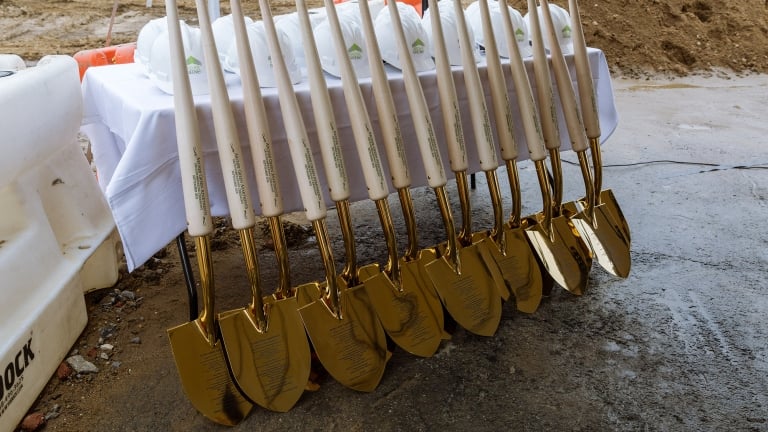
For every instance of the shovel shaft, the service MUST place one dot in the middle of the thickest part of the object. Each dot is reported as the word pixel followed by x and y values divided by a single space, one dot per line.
pixel 252 268
pixel 449 105
pixel 425 132
pixel 514 187
pixel 406 203
pixel 547 106
pixel 462 187
pixel 390 125
pixel 573 121
pixel 349 273
pixel 205 267
pixel 584 74
pixel 281 253
pixel 452 250
pixel 530 119
pixel 500 101
pixel 296 133
pixel 331 295
pixel 392 267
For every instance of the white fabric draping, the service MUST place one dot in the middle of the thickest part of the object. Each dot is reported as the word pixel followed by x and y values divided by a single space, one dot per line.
pixel 130 124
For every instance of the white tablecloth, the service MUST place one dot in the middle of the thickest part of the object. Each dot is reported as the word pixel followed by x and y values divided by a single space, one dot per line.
pixel 130 124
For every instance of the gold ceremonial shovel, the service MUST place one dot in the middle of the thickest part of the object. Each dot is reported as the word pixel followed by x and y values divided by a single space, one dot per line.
pixel 347 336
pixel 516 260
pixel 605 200
pixel 405 316
pixel 463 282
pixel 413 281
pixel 573 257
pixel 479 243
pixel 266 344
pixel 607 243
pixel 197 351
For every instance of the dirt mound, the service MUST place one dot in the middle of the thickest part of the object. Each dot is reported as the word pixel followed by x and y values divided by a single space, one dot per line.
pixel 639 37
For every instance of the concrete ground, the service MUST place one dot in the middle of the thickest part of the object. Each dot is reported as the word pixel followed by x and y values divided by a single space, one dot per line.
pixel 681 344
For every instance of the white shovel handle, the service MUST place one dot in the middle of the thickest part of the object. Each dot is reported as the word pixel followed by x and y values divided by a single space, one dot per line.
pixel 500 99
pixel 367 151
pixel 449 103
pixel 528 113
pixel 322 108
pixel 425 132
pixel 565 87
pixel 501 107
pixel 584 74
pixel 267 182
pixel 547 107
pixel 296 133
pixel 195 189
pixel 385 105
pixel 227 141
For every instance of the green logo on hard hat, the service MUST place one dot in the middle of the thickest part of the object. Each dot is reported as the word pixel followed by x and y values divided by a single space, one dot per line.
pixel 355 52
pixel 194 66
pixel 567 31
pixel 418 46
pixel 519 35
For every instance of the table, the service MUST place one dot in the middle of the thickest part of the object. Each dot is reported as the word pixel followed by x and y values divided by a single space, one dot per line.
pixel 131 127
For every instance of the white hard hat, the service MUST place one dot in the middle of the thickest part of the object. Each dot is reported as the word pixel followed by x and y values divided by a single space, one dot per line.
pixel 562 23
pixel 146 38
pixel 354 45
pixel 11 63
pixel 475 21
pixel 160 61
pixel 415 36
pixel 224 35
pixel 262 58
pixel 450 32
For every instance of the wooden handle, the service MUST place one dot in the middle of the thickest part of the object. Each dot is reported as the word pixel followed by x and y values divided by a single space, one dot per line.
pixel 193 182
pixel 367 151
pixel 499 96
pixel 267 182
pixel 584 74
pixel 449 103
pixel 565 87
pixel 547 107
pixel 425 132
pixel 528 113
pixel 385 105
pixel 296 133
pixel 227 141
pixel 322 108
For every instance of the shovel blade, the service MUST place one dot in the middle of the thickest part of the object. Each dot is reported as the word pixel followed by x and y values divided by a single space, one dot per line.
pixel 521 272
pixel 565 255
pixel 605 239
pixel 353 348
pixel 470 295
pixel 204 375
pixel 612 209
pixel 270 367
pixel 404 312
pixel 414 273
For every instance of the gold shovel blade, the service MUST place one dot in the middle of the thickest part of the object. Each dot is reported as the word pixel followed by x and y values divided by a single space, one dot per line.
pixel 271 367
pixel 404 313
pixel 604 238
pixel 608 201
pixel 521 272
pixel 414 273
pixel 468 292
pixel 564 255
pixel 352 348
pixel 204 375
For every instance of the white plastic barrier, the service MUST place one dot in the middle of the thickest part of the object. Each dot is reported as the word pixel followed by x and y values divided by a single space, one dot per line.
pixel 57 235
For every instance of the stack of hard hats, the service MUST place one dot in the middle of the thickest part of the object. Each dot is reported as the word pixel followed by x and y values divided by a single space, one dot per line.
pixel 520 26
pixel 450 32
pixel 226 44
pixel 415 35
pixel 562 23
